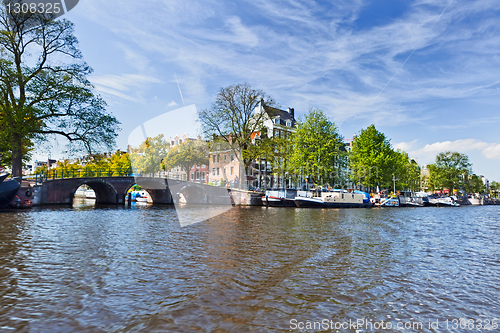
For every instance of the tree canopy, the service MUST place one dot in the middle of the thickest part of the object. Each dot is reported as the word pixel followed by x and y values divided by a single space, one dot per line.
pixel 44 89
pixel 372 158
pixel 317 152
pixel 148 157
pixel 449 171
pixel 231 117
pixel 185 155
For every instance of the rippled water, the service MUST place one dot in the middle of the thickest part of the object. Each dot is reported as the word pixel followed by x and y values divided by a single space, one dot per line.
pixel 252 269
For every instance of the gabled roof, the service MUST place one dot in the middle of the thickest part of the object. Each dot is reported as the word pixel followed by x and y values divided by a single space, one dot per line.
pixel 283 115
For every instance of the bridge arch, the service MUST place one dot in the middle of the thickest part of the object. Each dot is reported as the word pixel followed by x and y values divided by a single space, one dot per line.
pixel 191 193
pixel 105 193
pixel 156 188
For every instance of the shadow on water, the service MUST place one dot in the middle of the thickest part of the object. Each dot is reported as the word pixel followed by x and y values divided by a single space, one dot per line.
pixel 108 268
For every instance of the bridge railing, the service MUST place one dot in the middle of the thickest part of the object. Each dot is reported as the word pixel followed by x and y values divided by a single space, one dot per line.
pixel 81 173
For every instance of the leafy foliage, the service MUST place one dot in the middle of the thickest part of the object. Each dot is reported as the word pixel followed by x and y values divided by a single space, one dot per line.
pixel 475 185
pixel 41 95
pixel 372 159
pixel 185 155
pixel 317 150
pixel 449 171
pixel 495 188
pixel 148 157
pixel 231 117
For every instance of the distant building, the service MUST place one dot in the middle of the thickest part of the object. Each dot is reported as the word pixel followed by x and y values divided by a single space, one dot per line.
pixel 197 173
pixel 225 166
pixel 486 182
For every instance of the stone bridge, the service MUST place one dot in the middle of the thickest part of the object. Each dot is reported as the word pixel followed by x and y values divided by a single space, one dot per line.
pixel 112 190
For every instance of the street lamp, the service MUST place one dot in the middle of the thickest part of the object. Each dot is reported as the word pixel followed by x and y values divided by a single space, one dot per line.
pixel 394 182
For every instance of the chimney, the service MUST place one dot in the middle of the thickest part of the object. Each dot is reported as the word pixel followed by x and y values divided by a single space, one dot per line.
pixel 292 113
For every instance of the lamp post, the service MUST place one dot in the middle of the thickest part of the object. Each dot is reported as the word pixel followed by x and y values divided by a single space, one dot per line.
pixel 394 183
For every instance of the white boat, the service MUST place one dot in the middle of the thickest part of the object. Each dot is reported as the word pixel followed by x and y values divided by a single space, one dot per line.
pixel 389 202
pixel 443 202
pixel 332 199
pixel 90 194
pixel 476 201
pixel 140 196
pixel 383 201
pixel 280 198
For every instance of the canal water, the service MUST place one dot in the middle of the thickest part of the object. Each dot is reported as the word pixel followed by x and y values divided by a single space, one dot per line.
pixel 251 269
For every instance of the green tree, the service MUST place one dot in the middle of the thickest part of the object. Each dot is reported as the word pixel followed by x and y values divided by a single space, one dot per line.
pixel 317 154
pixel 185 155
pixel 407 171
pixel 232 118
pixel 372 159
pixel 449 171
pixel 495 188
pixel 120 163
pixel 148 157
pixel 44 88
pixel 475 184
pixel 66 169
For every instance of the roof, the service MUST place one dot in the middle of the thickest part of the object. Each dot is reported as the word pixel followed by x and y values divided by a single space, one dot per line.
pixel 283 115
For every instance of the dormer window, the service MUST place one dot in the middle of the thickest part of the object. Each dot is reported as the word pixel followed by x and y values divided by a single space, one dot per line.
pixel 288 123
pixel 276 121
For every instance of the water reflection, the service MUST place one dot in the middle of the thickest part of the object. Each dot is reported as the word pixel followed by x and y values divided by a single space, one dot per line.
pixel 101 269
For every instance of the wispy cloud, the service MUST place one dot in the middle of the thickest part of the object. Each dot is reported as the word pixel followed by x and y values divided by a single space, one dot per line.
pixel 126 86
pixel 324 54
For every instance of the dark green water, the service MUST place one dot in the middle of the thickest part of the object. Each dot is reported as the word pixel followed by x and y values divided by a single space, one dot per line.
pixel 252 269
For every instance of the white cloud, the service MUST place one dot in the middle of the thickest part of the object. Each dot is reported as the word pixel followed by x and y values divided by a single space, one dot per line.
pixel 405 146
pixel 492 152
pixel 311 54
pixel 173 103
pixel 126 86
pixel 123 82
pixel 429 151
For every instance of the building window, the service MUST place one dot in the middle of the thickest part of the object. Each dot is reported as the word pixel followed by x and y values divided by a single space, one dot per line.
pixel 224 171
pixel 232 170
pixel 203 175
pixel 218 171
pixel 213 158
pixel 213 172
pixel 225 157
pixel 197 175
pixel 232 157
pixel 276 121
pixel 192 175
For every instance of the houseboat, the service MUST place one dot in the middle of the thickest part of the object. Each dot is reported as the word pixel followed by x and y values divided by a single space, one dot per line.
pixel 280 198
pixel 332 199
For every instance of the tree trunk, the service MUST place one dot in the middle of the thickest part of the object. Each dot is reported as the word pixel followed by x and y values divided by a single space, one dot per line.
pixel 17 156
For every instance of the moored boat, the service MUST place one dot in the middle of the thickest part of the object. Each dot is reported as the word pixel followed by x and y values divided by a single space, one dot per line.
pixel 389 202
pixel 410 199
pixel 332 199
pixel 443 202
pixel 280 198
pixel 8 190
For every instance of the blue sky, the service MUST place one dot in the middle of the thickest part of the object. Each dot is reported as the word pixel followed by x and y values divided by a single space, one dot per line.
pixel 425 72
